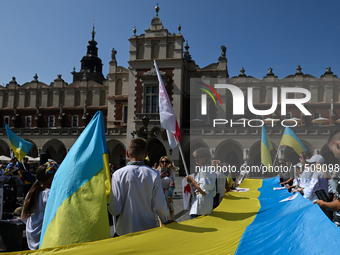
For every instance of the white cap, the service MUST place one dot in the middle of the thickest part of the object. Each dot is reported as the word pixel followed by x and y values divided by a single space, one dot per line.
pixel 316 158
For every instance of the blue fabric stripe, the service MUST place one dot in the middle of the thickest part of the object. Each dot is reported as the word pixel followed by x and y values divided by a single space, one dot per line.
pixel 86 154
pixel 292 227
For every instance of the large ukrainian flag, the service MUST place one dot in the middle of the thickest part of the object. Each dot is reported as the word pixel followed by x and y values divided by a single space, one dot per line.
pixel 19 146
pixel 247 223
pixel 290 139
pixel 266 147
pixel 76 210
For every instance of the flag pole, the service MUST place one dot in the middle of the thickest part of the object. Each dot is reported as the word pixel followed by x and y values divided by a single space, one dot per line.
pixel 277 152
pixel 181 152
pixel 185 165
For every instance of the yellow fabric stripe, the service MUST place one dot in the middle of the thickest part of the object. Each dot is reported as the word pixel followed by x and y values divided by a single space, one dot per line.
pixel 73 223
pixel 218 233
pixel 266 157
pixel 19 154
pixel 291 142
pixel 107 175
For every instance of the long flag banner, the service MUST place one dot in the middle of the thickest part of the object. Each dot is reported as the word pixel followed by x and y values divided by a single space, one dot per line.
pixel 252 222
pixel 19 146
pixel 166 114
pixel 266 147
pixel 76 210
pixel 290 139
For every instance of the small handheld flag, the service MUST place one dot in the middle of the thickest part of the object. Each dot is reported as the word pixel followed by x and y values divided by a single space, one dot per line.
pixel 166 114
pixel 290 139
pixel 20 147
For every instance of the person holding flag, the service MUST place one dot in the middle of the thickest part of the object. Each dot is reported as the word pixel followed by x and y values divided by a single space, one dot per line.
pixel 168 120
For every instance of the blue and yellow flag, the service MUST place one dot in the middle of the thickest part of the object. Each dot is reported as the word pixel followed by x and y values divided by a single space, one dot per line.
pixel 291 140
pixel 247 223
pixel 19 146
pixel 76 210
pixel 266 147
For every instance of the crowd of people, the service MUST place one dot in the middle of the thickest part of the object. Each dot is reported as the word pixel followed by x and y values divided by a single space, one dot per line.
pixel 317 181
pixel 139 192
pixel 16 172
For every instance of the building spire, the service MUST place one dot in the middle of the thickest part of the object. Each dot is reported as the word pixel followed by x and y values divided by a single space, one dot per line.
pixel 93 33
pixel 157 9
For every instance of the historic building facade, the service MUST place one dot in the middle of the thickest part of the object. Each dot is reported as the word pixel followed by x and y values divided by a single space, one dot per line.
pixel 53 116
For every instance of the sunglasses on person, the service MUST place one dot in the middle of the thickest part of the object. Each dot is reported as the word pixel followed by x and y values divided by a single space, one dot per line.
pixel 164 161
pixel 198 157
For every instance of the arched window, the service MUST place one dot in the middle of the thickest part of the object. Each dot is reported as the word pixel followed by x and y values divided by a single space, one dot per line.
pixel 154 50
pixel 89 98
pixel 336 93
pixel 321 92
pixel 61 98
pixel 102 98
pixel 77 99
pixel 27 99
pixel 263 94
pixel 140 51
pixel 170 50
pixel 5 100
pixel 50 99
pixel 119 87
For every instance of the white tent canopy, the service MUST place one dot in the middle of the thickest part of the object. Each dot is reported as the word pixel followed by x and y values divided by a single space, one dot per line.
pixel 5 158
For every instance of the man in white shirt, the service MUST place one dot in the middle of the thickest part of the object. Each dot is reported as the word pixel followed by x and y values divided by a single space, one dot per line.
pixel 137 193
pixel 203 184
pixel 319 178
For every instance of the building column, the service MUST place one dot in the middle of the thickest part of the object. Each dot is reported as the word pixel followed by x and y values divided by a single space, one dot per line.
pixel 246 155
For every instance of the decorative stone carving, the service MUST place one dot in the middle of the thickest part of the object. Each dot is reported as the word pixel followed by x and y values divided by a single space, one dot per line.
pixel 242 72
pixel 298 70
pixel 113 55
pixel 224 50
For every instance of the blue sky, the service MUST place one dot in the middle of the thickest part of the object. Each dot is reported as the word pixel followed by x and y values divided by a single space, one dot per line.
pixel 50 37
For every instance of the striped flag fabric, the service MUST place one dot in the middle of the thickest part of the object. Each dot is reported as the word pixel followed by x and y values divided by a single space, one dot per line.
pixel 266 147
pixel 247 223
pixel 166 113
pixel 76 210
pixel 19 146
pixel 290 139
